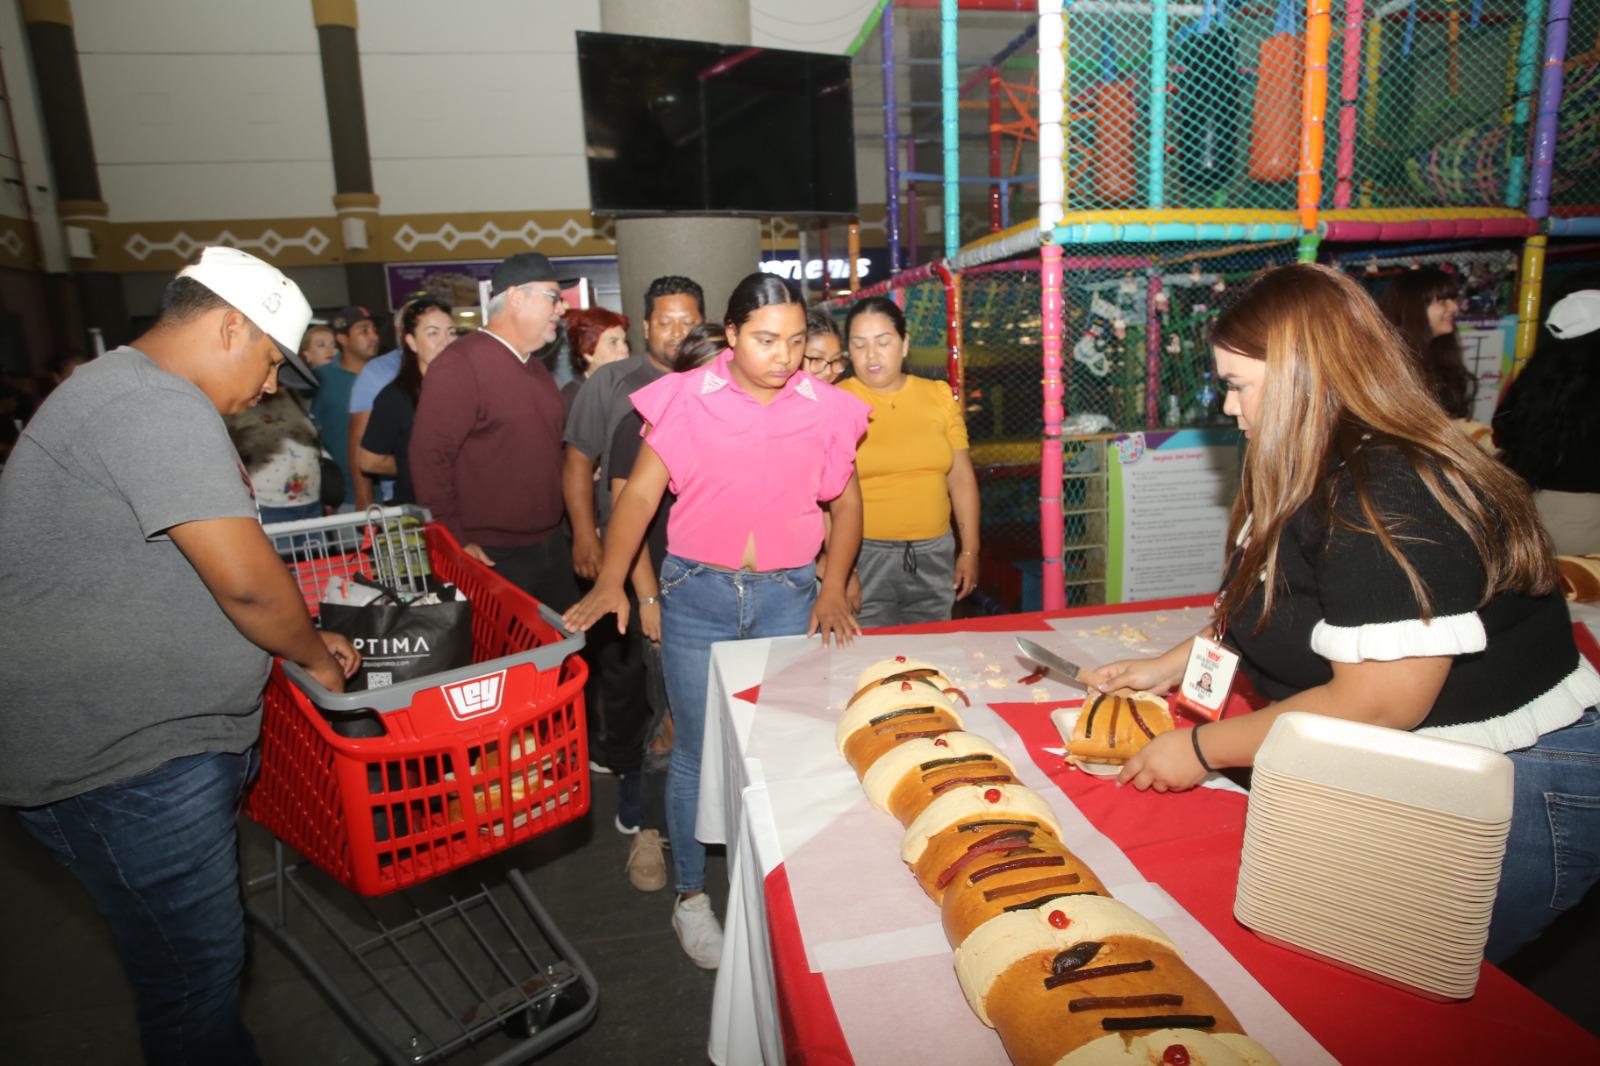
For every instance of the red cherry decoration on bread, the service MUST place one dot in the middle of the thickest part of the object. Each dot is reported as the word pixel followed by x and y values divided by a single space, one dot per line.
pixel 941 743
pixel 899 658
pixel 905 686
pixel 992 795
pixel 1176 1055
pixel 1059 920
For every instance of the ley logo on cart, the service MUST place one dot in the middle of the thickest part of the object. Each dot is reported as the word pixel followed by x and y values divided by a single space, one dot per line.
pixel 481 695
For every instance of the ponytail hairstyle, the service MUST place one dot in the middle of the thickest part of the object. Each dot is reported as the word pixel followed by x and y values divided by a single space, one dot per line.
pixel 1405 302
pixel 699 346
pixel 756 291
pixel 1336 372
pixel 410 376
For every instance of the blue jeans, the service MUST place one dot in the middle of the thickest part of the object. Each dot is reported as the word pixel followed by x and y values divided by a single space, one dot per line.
pixel 1553 854
pixel 700 605
pixel 159 855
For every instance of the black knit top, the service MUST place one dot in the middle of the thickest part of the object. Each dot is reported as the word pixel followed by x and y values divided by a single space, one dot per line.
pixel 1516 673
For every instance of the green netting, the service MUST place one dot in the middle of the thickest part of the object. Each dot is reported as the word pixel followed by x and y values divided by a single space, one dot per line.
pixel 1437 121
pixel 1136 318
pixel 1230 137
pixel 1575 178
pixel 1435 116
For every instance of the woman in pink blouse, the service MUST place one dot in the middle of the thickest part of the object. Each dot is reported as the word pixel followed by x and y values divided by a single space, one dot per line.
pixel 751 444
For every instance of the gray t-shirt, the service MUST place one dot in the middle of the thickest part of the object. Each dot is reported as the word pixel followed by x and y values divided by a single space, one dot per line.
pixel 114 656
pixel 599 408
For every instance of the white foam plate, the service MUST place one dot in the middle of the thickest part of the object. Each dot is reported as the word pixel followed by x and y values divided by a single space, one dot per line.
pixel 1456 779
pixel 1310 829
pixel 1326 797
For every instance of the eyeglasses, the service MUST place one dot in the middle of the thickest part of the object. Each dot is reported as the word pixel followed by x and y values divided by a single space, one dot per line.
pixel 554 294
pixel 816 362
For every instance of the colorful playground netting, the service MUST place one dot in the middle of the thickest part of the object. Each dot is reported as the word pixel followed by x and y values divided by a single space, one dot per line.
pixel 1161 153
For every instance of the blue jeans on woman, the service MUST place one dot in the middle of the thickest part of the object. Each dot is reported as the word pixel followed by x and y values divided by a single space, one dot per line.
pixel 159 854
pixel 700 605
pixel 1553 853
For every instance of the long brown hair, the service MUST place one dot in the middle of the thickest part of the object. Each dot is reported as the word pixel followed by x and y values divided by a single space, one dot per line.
pixel 1405 302
pixel 1336 372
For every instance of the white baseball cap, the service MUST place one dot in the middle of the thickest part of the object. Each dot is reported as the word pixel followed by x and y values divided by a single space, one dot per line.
pixel 259 291
pixel 1575 315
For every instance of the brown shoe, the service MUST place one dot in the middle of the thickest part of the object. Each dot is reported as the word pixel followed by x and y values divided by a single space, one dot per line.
pixel 647 862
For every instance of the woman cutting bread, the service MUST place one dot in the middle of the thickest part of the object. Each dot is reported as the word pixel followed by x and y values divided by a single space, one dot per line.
pixel 1386 570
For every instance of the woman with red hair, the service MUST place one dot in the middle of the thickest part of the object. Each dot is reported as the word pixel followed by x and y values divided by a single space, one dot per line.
pixel 595 337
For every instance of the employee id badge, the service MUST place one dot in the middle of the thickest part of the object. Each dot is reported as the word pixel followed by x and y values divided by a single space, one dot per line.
pixel 1208 679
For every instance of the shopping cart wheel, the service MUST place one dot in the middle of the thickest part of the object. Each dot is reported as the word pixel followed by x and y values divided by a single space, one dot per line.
pixel 524 1024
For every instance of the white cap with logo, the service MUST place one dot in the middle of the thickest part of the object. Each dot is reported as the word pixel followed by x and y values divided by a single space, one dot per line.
pixel 260 292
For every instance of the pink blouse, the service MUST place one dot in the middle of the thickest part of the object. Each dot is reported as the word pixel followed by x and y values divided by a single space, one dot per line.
pixel 740 468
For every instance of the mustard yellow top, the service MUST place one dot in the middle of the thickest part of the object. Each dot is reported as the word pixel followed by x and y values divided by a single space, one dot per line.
pixel 912 438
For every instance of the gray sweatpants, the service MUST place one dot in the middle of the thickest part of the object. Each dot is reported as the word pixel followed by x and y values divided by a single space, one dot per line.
pixel 906 581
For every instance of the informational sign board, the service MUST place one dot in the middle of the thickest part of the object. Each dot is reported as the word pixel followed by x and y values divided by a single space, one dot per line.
pixel 1486 348
pixel 1170 494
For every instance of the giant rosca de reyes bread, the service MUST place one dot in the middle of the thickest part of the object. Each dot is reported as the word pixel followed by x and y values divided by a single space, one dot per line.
pixel 1065 974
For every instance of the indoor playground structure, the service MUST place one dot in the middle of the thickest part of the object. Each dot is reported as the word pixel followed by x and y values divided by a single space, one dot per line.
pixel 1109 174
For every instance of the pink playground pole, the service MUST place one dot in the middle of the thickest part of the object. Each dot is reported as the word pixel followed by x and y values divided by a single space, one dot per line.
pixel 1152 353
pixel 1052 193
pixel 1349 87
pixel 1053 579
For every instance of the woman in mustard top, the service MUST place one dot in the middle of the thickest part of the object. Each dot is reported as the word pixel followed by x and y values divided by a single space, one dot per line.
pixel 915 473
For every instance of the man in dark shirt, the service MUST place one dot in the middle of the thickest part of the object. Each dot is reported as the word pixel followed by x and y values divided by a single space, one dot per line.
pixel 672 307
pixel 486 447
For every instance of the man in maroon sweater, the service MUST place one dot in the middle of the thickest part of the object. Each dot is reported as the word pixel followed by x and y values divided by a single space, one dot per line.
pixel 486 447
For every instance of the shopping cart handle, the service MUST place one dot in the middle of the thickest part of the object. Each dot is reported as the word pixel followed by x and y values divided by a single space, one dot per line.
pixel 399 696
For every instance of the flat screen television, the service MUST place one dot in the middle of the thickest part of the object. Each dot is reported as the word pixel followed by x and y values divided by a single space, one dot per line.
pixel 688 127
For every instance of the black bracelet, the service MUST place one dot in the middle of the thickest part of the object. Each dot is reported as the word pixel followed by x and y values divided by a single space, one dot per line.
pixel 1194 738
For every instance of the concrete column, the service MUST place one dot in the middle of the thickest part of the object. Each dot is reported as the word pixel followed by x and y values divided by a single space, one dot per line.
pixel 58 82
pixel 355 202
pixel 716 252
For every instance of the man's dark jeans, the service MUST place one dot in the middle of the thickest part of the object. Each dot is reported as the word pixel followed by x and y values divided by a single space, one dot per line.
pixel 159 854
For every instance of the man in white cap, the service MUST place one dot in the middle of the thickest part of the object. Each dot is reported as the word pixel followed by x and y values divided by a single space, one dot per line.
pixel 144 605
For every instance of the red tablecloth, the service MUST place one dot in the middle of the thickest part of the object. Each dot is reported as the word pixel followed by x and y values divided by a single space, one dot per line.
pixel 1189 844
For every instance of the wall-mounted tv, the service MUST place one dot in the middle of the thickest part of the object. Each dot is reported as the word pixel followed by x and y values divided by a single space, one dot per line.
pixel 682 126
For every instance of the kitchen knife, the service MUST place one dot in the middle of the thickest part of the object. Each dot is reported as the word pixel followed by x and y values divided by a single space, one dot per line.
pixel 1063 669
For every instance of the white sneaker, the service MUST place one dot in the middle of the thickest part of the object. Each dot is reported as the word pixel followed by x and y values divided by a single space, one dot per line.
pixel 698 931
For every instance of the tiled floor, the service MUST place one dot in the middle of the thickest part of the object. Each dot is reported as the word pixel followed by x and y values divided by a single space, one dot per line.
pixel 63 1000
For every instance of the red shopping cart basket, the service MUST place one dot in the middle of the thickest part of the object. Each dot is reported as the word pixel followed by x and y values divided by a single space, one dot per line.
pixel 466 763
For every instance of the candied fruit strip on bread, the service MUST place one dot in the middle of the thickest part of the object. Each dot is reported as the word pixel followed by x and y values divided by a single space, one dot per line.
pixel 916 791
pixel 901 669
pixel 1111 727
pixel 1048 1004
pixel 885 704
pixel 913 758
pixel 1004 940
pixel 973 803
pixel 867 745
pixel 966 905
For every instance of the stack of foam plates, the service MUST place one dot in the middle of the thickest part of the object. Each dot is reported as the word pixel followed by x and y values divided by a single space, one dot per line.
pixel 1376 850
